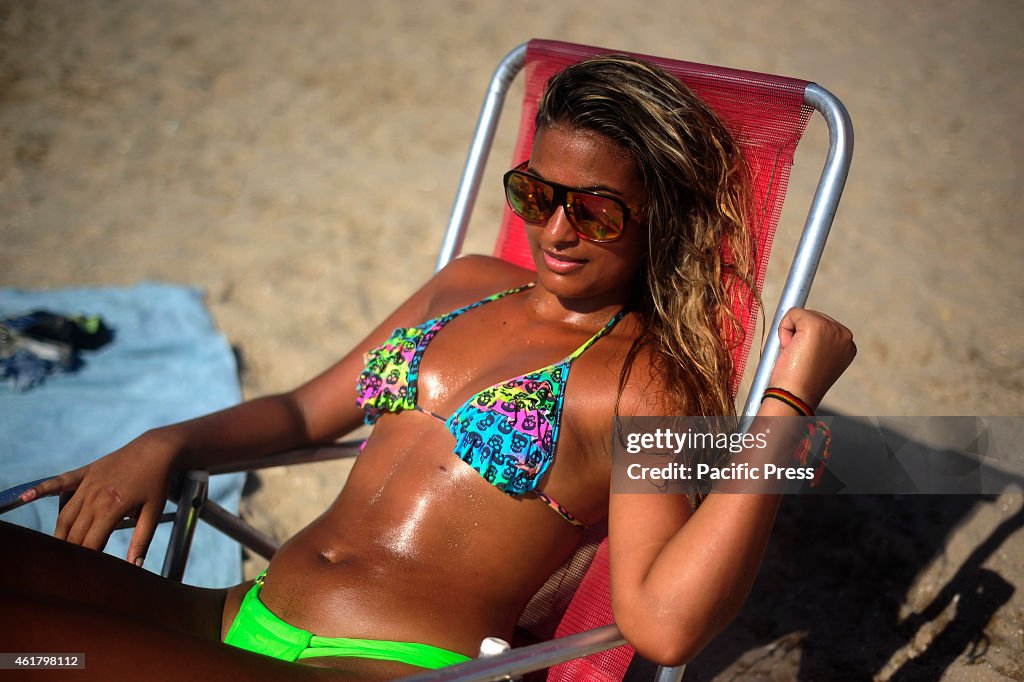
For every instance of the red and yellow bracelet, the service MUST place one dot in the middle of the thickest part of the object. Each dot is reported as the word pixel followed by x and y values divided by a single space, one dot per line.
pixel 788 398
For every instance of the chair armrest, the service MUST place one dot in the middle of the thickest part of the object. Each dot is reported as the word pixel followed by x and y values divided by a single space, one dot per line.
pixel 526 659
pixel 306 455
pixel 189 493
pixel 11 498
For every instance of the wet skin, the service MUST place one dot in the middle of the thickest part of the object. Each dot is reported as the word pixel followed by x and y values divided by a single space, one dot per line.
pixel 418 546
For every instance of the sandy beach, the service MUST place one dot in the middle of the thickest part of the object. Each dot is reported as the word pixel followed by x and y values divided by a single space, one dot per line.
pixel 298 161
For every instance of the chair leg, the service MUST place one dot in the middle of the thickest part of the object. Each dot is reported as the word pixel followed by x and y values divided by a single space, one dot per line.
pixel 238 530
pixel 191 498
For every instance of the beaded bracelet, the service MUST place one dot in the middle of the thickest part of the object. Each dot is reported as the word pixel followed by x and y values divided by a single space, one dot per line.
pixel 803 450
pixel 814 427
pixel 788 398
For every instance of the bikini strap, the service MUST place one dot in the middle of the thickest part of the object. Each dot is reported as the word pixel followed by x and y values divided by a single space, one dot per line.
pixel 601 332
pixel 445 319
pixel 562 511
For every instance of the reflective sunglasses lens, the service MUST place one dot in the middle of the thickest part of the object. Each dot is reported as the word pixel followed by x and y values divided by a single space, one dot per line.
pixel 529 199
pixel 596 218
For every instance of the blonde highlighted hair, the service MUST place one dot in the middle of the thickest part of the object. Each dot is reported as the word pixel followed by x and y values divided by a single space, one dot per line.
pixel 700 255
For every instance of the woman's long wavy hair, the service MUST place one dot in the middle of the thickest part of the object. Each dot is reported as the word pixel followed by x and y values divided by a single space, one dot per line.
pixel 700 254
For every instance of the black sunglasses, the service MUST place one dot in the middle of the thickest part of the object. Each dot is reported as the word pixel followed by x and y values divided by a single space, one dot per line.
pixel 595 217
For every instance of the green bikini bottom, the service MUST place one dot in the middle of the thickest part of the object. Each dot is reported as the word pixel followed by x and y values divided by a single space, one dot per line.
pixel 257 629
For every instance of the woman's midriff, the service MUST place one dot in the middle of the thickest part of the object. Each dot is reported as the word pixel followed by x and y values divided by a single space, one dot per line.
pixel 418 547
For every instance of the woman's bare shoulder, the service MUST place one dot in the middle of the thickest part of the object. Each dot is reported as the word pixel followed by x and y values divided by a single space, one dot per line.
pixel 601 392
pixel 473 277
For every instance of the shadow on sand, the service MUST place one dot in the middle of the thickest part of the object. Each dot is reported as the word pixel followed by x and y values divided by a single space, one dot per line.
pixel 834 584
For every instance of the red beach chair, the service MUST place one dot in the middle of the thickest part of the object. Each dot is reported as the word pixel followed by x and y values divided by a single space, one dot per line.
pixel 767 114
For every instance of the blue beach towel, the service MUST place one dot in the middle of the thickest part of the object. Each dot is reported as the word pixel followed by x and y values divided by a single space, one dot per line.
pixel 167 362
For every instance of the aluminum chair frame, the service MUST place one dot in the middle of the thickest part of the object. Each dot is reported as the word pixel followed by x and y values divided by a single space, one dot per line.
pixel 191 492
pixel 794 294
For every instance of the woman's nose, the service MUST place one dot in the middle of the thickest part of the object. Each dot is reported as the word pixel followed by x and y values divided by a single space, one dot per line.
pixel 559 229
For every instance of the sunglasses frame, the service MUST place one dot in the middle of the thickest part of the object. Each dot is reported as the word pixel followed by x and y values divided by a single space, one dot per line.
pixel 561 198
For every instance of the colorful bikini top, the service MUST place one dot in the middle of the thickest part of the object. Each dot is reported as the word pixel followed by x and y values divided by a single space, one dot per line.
pixel 507 432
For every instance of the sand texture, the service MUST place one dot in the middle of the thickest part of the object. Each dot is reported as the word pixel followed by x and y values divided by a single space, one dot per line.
pixel 298 160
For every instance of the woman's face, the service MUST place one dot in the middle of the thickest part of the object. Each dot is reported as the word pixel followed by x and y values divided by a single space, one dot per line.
pixel 570 267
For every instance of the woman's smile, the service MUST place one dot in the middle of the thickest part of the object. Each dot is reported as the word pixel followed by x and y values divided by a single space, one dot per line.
pixel 561 263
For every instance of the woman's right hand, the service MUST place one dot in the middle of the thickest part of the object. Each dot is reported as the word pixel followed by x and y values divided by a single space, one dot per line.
pixel 132 481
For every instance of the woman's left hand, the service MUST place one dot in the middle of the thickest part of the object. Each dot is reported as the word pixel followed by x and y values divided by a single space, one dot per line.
pixel 815 351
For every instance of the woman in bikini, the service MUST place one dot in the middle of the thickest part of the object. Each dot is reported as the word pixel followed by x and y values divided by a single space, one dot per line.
pixel 632 188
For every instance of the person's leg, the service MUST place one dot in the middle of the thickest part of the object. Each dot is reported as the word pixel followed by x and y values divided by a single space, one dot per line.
pixel 39 565
pixel 62 598
pixel 116 646
pixel 120 647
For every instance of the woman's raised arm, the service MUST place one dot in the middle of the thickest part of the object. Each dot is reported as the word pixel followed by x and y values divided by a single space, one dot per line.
pixel 680 576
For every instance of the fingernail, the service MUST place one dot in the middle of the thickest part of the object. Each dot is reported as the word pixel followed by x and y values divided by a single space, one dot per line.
pixel 28 495
pixel 139 560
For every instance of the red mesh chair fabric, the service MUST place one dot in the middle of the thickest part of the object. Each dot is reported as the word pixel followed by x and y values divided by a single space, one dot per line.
pixel 591 607
pixel 543 614
pixel 767 116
